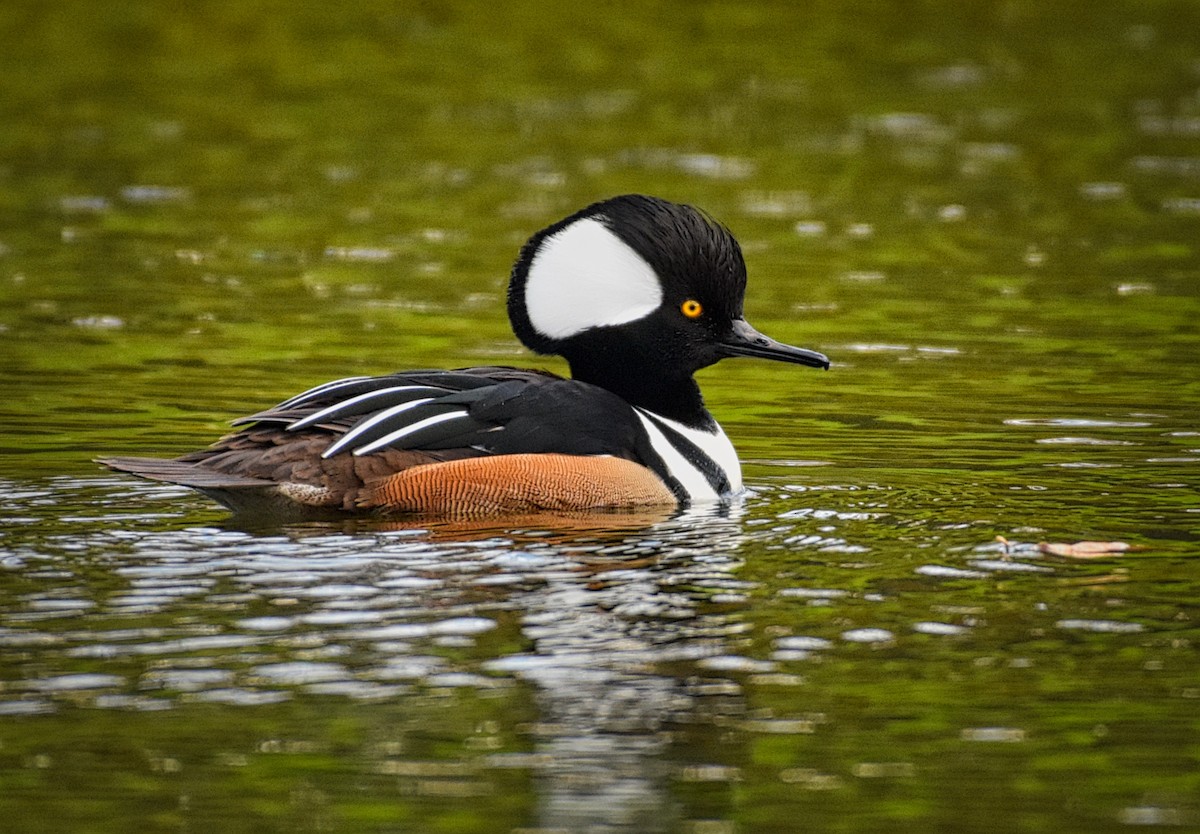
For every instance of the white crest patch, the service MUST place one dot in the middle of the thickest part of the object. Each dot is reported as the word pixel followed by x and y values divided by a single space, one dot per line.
pixel 585 276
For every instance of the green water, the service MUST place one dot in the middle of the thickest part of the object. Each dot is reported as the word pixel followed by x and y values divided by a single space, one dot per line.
pixel 987 214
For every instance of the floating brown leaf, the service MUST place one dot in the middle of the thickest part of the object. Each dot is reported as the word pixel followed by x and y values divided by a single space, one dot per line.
pixel 1085 550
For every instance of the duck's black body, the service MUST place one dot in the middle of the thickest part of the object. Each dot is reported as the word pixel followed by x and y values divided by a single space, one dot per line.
pixel 636 293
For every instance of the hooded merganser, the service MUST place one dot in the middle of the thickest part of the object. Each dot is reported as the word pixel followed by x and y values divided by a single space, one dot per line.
pixel 636 293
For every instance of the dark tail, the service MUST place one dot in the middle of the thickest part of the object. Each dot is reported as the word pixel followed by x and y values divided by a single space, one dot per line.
pixel 184 474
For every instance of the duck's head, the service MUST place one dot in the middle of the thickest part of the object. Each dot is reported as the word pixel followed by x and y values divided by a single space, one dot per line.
pixel 638 285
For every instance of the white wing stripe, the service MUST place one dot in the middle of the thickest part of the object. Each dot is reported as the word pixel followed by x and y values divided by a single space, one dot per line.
pixel 349 437
pixel 323 388
pixel 312 419
pixel 410 429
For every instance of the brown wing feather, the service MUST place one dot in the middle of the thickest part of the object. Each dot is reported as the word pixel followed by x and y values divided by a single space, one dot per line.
pixel 265 469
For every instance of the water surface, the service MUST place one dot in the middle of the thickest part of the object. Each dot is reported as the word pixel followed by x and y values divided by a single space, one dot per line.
pixel 987 216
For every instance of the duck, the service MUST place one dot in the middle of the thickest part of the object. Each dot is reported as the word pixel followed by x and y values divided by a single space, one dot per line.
pixel 636 293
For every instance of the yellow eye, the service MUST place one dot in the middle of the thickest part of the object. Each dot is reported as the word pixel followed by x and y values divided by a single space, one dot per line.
pixel 691 308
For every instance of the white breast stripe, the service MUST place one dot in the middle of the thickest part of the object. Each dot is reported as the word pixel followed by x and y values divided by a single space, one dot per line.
pixel 349 437
pixel 410 429
pixel 715 445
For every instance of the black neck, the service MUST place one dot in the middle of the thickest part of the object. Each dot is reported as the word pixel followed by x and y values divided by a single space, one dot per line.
pixel 676 397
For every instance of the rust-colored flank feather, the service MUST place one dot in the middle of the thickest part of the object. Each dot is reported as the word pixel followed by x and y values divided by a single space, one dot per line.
pixel 519 483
